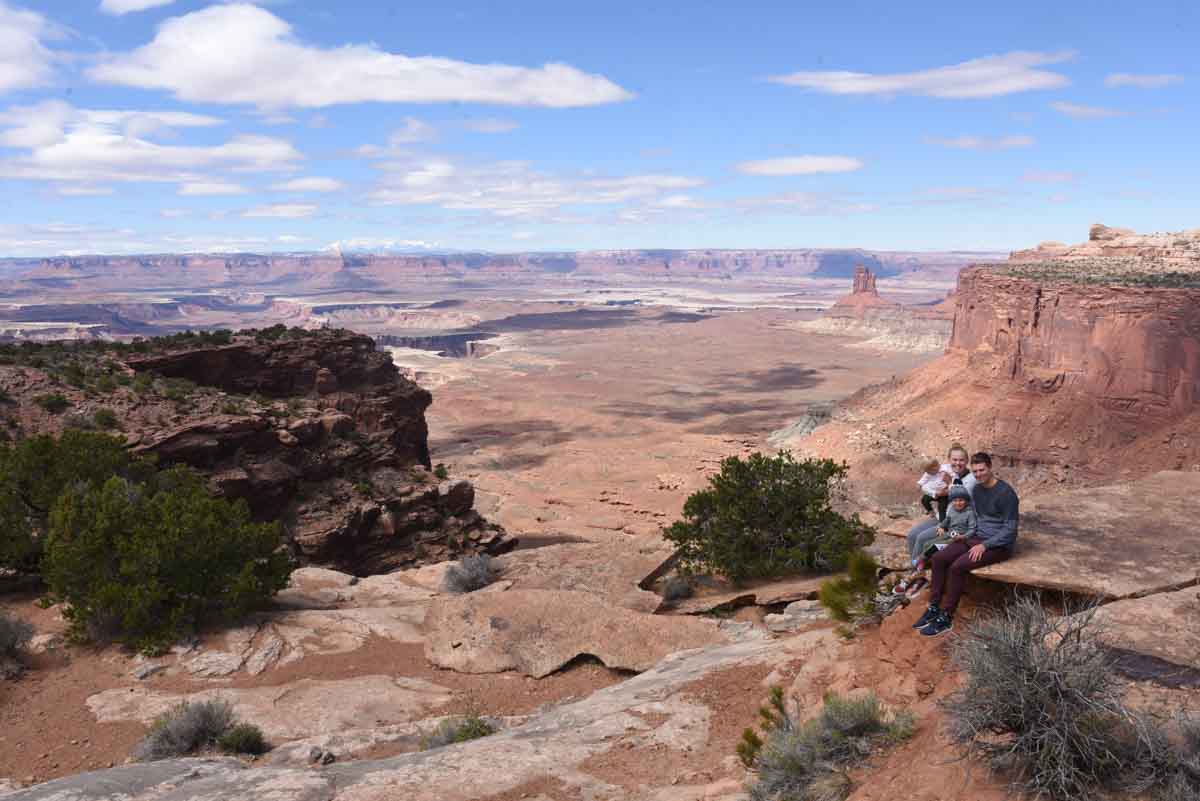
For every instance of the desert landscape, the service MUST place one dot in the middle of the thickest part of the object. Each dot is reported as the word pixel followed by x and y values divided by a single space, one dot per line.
pixel 566 431
pixel 590 402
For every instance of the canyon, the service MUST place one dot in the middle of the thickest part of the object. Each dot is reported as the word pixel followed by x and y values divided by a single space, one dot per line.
pixel 579 426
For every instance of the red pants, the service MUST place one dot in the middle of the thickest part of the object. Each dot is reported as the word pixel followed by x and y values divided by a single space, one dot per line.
pixel 951 566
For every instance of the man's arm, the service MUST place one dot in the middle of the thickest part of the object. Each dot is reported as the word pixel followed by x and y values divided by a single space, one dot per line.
pixel 1009 510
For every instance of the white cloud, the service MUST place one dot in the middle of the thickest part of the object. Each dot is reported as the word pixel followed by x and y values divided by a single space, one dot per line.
pixel 1118 79
pixel 290 239
pixel 173 214
pixel 800 165
pixel 522 236
pixel 84 146
pixel 1050 177
pixel 25 61
pixel 491 125
pixel 990 76
pixel 244 54
pixel 211 188
pixel 84 191
pixel 981 142
pixel 1081 112
pixel 414 130
pixel 119 7
pixel 310 184
pixel 290 211
pixel 368 244
pixel 513 189
pixel 678 202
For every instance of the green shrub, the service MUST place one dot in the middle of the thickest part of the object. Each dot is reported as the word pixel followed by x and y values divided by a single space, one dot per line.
pixel 54 402
pixel 243 738
pixel 851 596
pixel 105 384
pixel 144 563
pixel 441 472
pixel 809 761
pixel 184 730
pixel 768 516
pixel 143 383
pixel 105 418
pixel 458 730
pixel 35 471
pixel 1043 704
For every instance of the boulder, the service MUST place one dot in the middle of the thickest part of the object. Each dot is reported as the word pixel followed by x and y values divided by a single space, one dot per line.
pixel 456 496
pixel 1163 629
pixel 797 615
pixel 536 632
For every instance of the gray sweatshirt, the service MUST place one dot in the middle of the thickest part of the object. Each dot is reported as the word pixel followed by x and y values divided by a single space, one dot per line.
pixel 959 522
pixel 997 511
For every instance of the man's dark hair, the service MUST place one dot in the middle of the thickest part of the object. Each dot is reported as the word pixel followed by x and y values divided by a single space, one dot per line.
pixel 982 458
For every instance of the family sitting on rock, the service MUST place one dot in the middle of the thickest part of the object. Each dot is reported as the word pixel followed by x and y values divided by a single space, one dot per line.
pixel 975 525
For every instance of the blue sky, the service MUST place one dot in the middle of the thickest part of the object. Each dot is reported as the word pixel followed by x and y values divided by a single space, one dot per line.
pixel 188 125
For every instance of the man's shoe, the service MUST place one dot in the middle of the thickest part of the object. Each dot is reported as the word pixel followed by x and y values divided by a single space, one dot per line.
pixel 930 615
pixel 939 625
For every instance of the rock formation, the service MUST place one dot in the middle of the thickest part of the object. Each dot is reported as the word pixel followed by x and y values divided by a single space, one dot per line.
pixel 883 324
pixel 1080 367
pixel 318 430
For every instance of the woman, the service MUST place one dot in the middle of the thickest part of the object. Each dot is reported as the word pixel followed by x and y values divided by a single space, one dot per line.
pixel 961 475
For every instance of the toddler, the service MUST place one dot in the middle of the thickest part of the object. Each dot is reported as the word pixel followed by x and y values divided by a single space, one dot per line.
pixel 935 479
pixel 959 524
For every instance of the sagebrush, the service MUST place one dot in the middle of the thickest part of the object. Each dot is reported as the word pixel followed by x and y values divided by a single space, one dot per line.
pixel 852 596
pixel 185 729
pixel 1042 702
pixel 458 730
pixel 15 635
pixel 768 516
pixel 808 761
pixel 470 573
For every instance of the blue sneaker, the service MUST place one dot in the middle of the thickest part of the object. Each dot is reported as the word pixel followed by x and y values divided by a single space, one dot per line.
pixel 927 618
pixel 938 626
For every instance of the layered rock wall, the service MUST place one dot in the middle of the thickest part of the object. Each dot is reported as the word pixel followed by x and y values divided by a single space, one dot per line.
pixel 1135 351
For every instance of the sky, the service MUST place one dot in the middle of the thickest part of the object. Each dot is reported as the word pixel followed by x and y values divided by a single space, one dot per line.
pixel 148 126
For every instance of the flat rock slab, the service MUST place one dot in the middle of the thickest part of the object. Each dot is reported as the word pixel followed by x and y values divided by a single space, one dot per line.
pixel 536 632
pixel 299 709
pixel 653 708
pixel 1111 542
pixel 1163 627
pixel 609 571
pixel 767 593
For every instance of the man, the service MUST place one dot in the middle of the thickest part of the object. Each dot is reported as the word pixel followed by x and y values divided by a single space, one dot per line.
pixel 962 476
pixel 997 512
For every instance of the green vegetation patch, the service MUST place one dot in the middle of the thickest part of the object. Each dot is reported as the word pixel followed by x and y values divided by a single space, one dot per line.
pixel 768 516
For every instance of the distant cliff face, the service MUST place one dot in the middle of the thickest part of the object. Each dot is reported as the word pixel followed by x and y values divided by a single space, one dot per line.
pixel 1135 351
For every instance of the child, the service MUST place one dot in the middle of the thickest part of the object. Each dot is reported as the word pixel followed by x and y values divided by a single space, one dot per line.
pixel 959 524
pixel 932 481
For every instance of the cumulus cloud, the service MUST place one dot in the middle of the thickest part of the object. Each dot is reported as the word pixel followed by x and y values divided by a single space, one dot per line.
pixel 25 61
pixel 211 188
pixel 74 146
pixel 981 142
pixel 800 165
pixel 310 184
pixel 514 189
pixel 119 7
pixel 289 211
pixel 990 76
pixel 244 54
pixel 1081 112
pixel 1118 79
